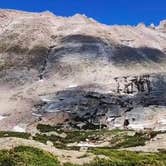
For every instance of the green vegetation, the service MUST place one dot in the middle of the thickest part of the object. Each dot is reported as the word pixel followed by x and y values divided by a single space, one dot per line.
pixel 96 162
pixel 125 141
pixel 126 158
pixel 117 138
pixel 14 134
pixel 27 156
pixel 43 128
pixel 71 137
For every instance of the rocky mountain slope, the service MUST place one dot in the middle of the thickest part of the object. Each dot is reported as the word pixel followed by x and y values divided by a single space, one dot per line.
pixel 78 72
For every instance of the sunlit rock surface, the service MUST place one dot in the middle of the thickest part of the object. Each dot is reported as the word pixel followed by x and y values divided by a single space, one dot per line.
pixel 74 70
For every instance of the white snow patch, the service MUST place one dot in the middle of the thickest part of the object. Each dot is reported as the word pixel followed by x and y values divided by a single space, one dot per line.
pixel 136 126
pixel 18 129
pixel 162 121
pixel 45 99
pixel 72 85
pixel 85 145
pixel 118 125
pixel 53 110
pixel 41 80
pixel 110 119
pixel 35 114
pixel 2 117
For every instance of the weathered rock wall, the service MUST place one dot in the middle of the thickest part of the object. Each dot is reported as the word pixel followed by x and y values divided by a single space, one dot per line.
pixel 110 75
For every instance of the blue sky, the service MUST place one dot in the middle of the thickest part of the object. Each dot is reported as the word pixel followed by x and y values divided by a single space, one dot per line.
pixel 105 11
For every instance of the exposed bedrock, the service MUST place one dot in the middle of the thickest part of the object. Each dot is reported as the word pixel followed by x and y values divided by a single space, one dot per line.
pixel 82 57
pixel 141 107
pixel 94 73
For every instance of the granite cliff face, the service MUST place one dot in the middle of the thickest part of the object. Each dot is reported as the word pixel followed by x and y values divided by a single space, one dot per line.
pixel 76 71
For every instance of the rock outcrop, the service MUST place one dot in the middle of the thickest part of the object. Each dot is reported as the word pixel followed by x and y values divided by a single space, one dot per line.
pixel 76 70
